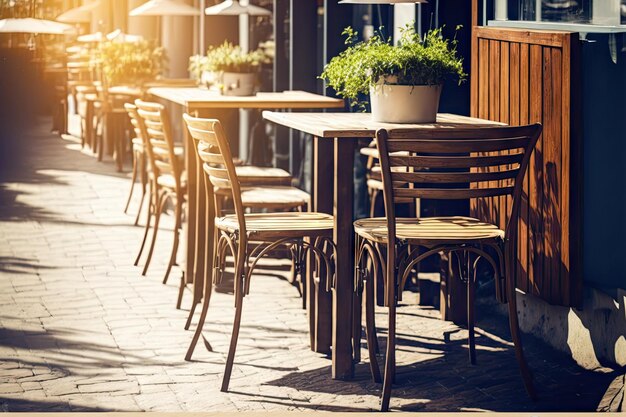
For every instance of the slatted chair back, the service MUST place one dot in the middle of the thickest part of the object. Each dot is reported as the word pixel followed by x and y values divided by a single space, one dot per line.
pixel 214 151
pixel 445 165
pixel 141 133
pixel 159 139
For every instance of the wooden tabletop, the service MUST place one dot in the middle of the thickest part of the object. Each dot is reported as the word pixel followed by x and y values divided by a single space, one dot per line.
pixel 336 125
pixel 125 90
pixel 198 98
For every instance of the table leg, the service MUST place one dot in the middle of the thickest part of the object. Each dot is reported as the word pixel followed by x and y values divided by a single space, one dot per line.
pixel 320 301
pixel 200 227
pixel 87 134
pixel 189 227
pixel 342 366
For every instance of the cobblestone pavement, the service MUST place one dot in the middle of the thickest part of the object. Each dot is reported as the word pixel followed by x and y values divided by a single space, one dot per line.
pixel 80 329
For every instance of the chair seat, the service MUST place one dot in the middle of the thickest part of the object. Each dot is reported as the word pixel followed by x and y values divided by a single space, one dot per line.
pixel 280 225
pixel 430 230
pixel 253 175
pixel 274 197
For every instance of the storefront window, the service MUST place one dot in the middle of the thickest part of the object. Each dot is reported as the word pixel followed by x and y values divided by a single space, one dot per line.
pixel 595 12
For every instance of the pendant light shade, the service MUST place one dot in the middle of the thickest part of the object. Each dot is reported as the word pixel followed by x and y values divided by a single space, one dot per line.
pixel 234 8
pixel 165 8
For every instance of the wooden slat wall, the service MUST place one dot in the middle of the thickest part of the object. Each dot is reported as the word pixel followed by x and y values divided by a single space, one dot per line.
pixel 521 77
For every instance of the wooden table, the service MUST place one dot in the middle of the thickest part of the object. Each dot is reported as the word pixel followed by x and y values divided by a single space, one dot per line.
pixel 333 162
pixel 201 103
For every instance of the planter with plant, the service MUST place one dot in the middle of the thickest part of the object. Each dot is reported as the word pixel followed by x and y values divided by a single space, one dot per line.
pixel 199 70
pixel 404 82
pixel 236 70
pixel 132 63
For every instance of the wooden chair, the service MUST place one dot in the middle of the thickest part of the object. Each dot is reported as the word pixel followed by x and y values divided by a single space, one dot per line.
pixel 167 178
pixel 375 182
pixel 111 116
pixel 265 188
pixel 250 236
pixel 140 160
pixel 432 156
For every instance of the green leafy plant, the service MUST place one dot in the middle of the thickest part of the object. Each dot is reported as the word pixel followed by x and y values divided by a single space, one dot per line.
pixel 198 64
pixel 130 62
pixel 416 60
pixel 230 58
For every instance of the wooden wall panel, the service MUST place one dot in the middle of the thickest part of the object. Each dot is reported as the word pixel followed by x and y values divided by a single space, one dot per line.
pixel 521 77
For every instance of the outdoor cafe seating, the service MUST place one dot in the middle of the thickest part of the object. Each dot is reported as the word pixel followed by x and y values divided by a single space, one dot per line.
pixel 410 199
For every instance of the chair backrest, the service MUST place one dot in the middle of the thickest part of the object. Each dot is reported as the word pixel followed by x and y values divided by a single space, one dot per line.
pixel 214 151
pixel 141 133
pixel 158 139
pixel 454 164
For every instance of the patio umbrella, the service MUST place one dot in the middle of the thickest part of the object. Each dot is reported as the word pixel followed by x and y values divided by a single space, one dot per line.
pixel 30 25
pixel 91 37
pixel 164 8
pixel 116 36
pixel 80 14
pixel 234 8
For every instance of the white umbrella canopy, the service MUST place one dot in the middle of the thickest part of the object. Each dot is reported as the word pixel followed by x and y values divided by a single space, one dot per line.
pixel 91 37
pixel 30 25
pixel 164 8
pixel 80 14
pixel 118 36
pixel 115 36
pixel 234 8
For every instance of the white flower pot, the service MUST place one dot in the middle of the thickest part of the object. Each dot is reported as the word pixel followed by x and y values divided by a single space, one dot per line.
pixel 239 84
pixel 393 103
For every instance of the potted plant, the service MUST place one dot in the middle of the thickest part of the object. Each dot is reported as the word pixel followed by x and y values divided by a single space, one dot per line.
pixel 238 70
pixel 199 67
pixel 404 82
pixel 130 62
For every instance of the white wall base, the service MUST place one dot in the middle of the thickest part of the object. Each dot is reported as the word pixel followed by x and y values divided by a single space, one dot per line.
pixel 594 337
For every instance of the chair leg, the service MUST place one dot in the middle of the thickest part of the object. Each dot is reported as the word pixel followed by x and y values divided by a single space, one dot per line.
pixel 132 182
pixel 516 335
pixel 157 218
pixel 192 311
pixel 178 214
pixel 370 329
pixel 357 307
pixel 151 209
pixel 390 363
pixel 102 123
pixel 208 290
pixel 239 291
pixel 181 292
pixel 471 287
pixel 143 176
pixel 143 196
